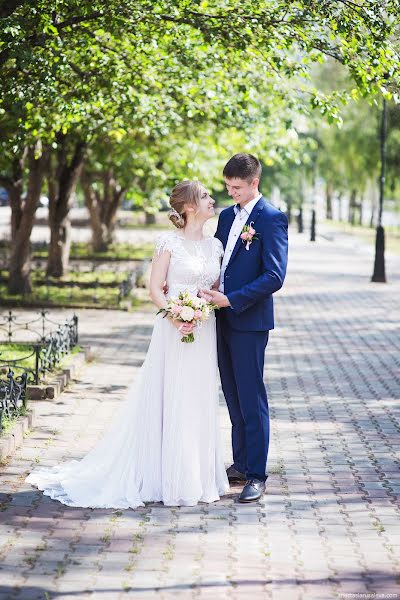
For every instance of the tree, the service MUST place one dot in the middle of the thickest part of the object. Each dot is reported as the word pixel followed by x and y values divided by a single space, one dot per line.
pixel 70 77
pixel 23 220
pixel 63 177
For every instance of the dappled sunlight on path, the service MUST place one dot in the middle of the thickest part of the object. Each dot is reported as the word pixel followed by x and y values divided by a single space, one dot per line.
pixel 328 525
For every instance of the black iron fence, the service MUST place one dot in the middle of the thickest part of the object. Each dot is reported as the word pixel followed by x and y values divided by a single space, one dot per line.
pixel 52 340
pixel 40 327
pixel 126 286
pixel 12 396
pixel 81 292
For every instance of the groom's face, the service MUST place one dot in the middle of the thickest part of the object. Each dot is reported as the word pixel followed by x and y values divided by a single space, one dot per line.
pixel 241 190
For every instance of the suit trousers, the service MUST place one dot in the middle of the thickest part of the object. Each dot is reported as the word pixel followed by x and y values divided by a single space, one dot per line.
pixel 241 365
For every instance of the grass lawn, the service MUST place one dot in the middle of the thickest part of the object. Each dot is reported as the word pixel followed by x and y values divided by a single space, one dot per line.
pixel 73 296
pixel 18 352
pixel 79 278
pixel 85 289
pixel 121 251
pixel 392 234
pixel 158 226
pixel 26 357
pixel 8 422
pixel 80 289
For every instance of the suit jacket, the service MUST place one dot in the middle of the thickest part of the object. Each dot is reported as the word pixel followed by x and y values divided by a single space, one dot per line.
pixel 252 276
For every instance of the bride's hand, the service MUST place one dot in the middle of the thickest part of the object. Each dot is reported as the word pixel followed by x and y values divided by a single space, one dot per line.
pixel 203 293
pixel 184 328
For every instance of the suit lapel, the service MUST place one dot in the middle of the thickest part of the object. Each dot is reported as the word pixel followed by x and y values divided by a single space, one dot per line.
pixel 252 218
pixel 227 227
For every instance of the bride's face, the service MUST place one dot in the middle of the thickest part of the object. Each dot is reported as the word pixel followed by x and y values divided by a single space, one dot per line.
pixel 205 209
pixel 206 205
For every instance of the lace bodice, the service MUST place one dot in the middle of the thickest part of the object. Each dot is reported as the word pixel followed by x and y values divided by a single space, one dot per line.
pixel 193 265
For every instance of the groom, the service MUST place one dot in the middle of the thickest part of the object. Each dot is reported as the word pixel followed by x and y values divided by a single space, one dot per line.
pixel 254 236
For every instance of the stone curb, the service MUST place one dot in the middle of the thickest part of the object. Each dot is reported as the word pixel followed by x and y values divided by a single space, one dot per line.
pixel 57 385
pixel 15 437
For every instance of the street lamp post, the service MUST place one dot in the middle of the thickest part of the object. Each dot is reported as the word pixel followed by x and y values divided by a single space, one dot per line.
pixel 313 224
pixel 300 224
pixel 314 199
pixel 379 274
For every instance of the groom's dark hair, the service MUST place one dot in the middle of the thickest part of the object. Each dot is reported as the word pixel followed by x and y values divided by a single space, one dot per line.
pixel 243 166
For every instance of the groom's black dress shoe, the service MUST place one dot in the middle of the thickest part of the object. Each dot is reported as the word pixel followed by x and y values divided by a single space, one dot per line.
pixel 252 491
pixel 235 476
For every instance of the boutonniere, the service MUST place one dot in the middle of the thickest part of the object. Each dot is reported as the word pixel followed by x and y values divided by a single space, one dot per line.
pixel 248 235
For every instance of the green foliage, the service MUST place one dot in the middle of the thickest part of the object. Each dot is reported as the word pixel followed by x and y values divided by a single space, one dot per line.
pixel 22 352
pixel 96 67
pixel 117 251
pixel 345 156
pixel 8 422
pixel 368 235
pixel 161 90
pixel 78 278
pixel 74 296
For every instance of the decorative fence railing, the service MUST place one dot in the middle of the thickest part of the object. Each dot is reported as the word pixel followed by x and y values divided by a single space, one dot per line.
pixel 126 286
pixel 43 354
pixel 12 396
pixel 93 290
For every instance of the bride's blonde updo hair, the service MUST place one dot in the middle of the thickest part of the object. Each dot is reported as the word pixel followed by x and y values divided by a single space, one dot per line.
pixel 185 192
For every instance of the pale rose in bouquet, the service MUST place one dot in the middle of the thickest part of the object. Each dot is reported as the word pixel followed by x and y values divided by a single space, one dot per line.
pixel 187 308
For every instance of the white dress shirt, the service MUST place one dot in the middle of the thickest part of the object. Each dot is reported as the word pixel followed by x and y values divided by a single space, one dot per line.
pixel 242 214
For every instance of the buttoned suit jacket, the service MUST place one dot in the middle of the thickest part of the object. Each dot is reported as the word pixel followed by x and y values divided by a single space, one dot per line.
pixel 252 276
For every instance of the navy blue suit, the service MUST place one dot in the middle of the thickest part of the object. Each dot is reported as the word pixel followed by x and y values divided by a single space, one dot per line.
pixel 251 277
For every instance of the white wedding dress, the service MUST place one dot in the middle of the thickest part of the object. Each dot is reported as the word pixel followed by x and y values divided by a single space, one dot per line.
pixel 164 443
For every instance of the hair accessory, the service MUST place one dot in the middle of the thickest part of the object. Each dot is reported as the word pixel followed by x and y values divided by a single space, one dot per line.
pixel 174 212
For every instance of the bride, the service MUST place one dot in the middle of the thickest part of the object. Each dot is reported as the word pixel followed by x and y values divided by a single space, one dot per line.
pixel 164 444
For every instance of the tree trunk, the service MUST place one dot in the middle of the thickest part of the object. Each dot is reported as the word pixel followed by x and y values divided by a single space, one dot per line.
pixel 300 224
pixel 373 208
pixel 360 211
pixel 110 218
pixel 102 209
pixel 340 206
pixel 352 206
pixel 289 205
pixel 19 281
pixel 92 202
pixel 14 187
pixel 329 192
pixel 67 175
pixel 60 244
pixel 372 219
pixel 150 218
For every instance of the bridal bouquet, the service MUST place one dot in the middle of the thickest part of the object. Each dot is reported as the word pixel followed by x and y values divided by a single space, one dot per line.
pixel 188 309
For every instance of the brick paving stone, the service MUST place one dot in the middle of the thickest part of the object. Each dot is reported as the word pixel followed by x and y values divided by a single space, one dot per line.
pixel 328 524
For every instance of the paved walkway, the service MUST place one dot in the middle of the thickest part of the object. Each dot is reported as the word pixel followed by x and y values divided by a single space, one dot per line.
pixel 329 524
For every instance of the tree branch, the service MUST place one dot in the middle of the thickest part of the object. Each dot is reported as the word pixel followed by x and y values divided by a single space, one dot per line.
pixel 77 20
pixel 356 8
pixel 38 39
pixel 8 7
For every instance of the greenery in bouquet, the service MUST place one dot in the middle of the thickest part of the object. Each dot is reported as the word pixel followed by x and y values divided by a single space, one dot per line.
pixel 188 308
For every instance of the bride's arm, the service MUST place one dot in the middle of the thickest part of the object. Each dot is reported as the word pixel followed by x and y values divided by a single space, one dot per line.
pixel 216 284
pixel 159 270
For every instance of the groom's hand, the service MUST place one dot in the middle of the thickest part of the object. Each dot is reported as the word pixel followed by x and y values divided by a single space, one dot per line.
pixel 215 297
